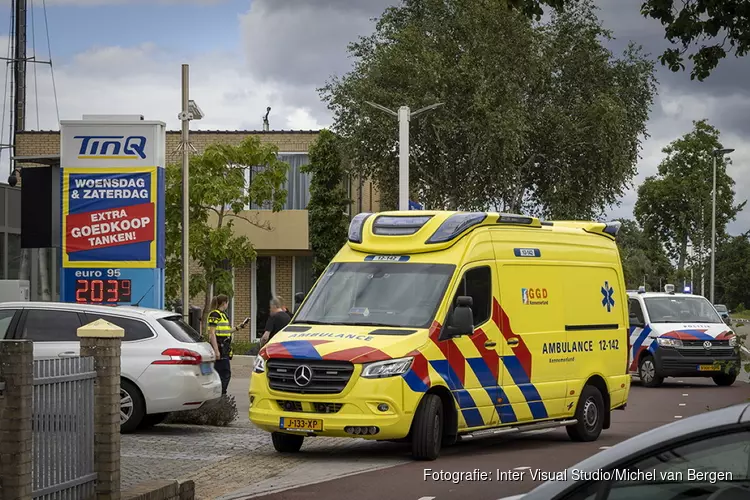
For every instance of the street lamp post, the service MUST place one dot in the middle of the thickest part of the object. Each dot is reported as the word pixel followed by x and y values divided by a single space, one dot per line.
pixel 716 153
pixel 190 111
pixel 404 116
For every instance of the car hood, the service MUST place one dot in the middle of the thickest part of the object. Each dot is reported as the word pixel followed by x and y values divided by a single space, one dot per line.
pixel 692 331
pixel 357 344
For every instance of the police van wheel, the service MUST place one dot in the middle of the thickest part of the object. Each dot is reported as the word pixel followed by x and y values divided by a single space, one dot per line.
pixel 647 372
pixel 725 379
pixel 590 416
pixel 427 430
pixel 286 443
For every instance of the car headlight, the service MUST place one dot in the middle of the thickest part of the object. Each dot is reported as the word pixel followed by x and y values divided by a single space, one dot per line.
pixel 733 341
pixel 388 368
pixel 260 364
pixel 669 342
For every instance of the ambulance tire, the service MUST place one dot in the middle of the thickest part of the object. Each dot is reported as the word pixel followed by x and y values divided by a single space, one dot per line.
pixel 647 372
pixel 287 443
pixel 590 415
pixel 427 428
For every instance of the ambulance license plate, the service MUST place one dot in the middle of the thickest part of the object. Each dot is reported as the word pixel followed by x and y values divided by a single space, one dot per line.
pixel 300 424
pixel 206 368
pixel 709 368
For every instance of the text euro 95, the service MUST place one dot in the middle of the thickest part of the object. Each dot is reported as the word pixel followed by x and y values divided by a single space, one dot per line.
pixel 104 147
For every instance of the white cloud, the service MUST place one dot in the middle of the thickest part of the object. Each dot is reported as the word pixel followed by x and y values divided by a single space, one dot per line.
pixel 97 3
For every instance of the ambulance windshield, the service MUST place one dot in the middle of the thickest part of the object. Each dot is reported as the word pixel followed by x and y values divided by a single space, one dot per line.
pixel 681 309
pixel 377 293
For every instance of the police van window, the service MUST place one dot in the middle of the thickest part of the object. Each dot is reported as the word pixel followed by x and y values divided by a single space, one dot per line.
pixel 636 313
pixel 477 284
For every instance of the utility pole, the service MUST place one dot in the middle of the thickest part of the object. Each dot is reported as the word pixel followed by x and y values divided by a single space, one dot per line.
pixel 185 192
pixel 404 116
pixel 716 153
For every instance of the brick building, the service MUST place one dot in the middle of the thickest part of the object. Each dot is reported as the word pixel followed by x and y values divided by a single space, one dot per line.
pixel 283 266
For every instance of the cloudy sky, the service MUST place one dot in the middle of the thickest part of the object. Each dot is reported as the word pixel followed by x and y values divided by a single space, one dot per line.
pixel 124 56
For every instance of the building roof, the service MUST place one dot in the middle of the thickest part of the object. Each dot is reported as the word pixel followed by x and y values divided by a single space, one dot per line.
pixel 245 132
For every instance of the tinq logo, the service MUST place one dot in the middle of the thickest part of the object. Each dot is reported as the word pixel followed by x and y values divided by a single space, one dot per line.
pixel 111 147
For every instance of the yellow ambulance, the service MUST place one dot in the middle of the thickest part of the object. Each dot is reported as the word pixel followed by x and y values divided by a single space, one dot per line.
pixel 435 326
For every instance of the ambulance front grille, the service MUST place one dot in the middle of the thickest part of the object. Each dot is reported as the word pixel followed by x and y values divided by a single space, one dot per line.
pixel 327 377
pixel 316 407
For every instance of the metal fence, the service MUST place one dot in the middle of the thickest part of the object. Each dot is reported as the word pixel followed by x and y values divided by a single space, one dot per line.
pixel 63 429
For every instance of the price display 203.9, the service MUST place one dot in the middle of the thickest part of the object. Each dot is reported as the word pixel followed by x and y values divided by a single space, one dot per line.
pixel 103 291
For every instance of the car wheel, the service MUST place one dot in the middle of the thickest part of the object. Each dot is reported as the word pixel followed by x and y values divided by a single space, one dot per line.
pixel 590 415
pixel 427 429
pixel 153 419
pixel 647 372
pixel 725 379
pixel 132 407
pixel 287 443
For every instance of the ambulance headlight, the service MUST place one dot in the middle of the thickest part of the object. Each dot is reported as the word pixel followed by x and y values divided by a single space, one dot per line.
pixel 733 341
pixel 387 368
pixel 260 364
pixel 668 342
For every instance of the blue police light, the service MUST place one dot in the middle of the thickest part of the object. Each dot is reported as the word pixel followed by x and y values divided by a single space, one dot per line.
pixel 356 227
pixel 389 225
pixel 613 228
pixel 687 289
pixel 455 225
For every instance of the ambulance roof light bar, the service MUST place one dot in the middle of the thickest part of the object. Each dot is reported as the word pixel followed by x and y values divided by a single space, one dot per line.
pixel 455 225
pixel 356 227
pixel 399 225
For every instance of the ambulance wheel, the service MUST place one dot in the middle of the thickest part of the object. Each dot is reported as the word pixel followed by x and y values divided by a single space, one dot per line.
pixel 427 428
pixel 286 443
pixel 647 372
pixel 590 416
pixel 725 379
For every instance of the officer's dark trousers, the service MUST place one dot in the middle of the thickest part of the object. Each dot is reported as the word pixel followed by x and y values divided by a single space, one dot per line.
pixel 225 373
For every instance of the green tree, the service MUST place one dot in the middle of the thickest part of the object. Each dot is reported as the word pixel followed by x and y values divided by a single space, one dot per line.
pixel 732 270
pixel 644 260
pixel 687 23
pixel 536 119
pixel 675 205
pixel 328 200
pixel 219 194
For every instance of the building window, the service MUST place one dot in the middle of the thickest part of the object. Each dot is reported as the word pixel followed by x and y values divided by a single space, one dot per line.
pixel 297 183
pixel 2 257
pixel 303 274
pixel 14 256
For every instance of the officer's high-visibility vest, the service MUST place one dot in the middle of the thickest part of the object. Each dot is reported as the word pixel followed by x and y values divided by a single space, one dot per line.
pixel 223 328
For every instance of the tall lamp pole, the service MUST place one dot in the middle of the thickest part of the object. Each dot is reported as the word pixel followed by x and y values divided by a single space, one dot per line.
pixel 404 116
pixel 190 111
pixel 716 153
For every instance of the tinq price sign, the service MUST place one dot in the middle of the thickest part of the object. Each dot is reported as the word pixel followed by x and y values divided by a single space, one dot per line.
pixel 113 212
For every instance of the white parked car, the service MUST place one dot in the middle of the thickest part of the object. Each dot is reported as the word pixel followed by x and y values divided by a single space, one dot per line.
pixel 165 367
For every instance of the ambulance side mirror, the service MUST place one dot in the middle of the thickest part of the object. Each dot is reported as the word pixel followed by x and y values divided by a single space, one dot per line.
pixel 461 321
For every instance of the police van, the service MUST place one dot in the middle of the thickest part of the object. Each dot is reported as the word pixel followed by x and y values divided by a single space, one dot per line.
pixel 440 326
pixel 680 335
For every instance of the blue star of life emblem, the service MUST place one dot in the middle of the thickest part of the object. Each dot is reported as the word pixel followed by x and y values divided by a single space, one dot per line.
pixel 608 301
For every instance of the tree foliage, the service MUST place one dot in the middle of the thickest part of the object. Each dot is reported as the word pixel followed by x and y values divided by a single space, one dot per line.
pixel 675 206
pixel 644 260
pixel 539 119
pixel 732 271
pixel 687 23
pixel 328 200
pixel 220 190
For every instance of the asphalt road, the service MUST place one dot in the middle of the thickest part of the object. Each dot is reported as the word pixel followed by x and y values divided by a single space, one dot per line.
pixel 546 450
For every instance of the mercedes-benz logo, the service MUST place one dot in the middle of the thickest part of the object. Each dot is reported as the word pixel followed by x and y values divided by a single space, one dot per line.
pixel 302 375
pixel 707 344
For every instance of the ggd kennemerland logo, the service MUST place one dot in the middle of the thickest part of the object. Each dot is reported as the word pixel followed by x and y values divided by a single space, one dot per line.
pixel 111 147
pixel 534 296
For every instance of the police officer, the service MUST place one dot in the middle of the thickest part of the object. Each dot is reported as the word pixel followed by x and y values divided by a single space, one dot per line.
pixel 220 336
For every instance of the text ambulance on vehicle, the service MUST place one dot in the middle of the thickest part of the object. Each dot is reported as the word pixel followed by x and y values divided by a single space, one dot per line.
pixel 448 325
pixel 680 335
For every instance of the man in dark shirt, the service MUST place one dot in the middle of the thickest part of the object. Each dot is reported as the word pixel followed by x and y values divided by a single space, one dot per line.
pixel 278 319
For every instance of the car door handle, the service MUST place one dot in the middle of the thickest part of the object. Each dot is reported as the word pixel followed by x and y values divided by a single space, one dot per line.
pixel 490 343
pixel 67 354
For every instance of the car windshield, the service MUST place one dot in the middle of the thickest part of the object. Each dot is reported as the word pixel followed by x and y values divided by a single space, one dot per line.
pixel 678 309
pixel 721 308
pixel 180 330
pixel 377 294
